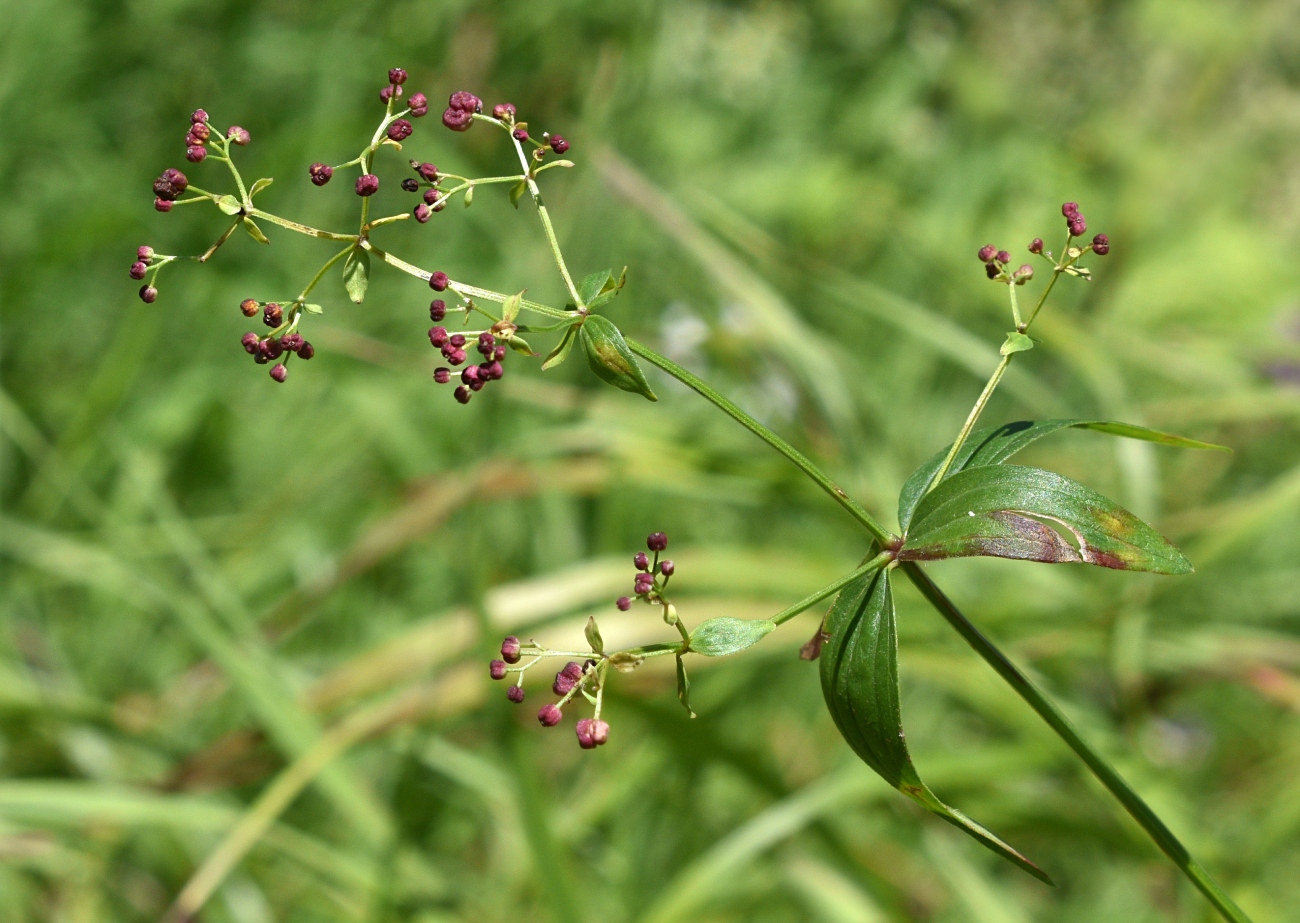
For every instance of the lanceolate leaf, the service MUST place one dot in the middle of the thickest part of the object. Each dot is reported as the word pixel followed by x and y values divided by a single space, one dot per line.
pixel 356 275
pixel 859 672
pixel 611 359
pixel 721 636
pixel 999 511
pixel 996 444
pixel 561 350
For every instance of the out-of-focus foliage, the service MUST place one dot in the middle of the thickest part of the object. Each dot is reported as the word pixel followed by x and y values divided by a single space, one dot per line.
pixel 207 577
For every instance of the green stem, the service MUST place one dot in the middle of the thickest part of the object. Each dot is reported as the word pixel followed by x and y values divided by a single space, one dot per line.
pixel 771 438
pixel 808 602
pixel 220 240
pixel 1105 773
pixel 301 228
pixel 321 272
pixel 971 419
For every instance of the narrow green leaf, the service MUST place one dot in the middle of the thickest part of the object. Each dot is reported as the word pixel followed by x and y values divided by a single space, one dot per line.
pixel 996 444
pixel 259 186
pixel 684 687
pixel 510 307
pixel 520 345
pixel 313 309
pixel 561 350
pixel 254 231
pixel 356 275
pixel 721 636
pixel 1016 343
pixel 593 635
pixel 595 284
pixel 517 192
pixel 995 511
pixel 859 674
pixel 469 196
pixel 611 359
pixel 229 205
pixel 554 163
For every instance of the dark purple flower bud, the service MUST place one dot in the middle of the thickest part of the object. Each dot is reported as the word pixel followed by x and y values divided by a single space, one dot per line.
pixel 195 153
pixel 515 694
pixel 390 92
pixel 520 134
pixel 558 144
pixel 457 119
pixel 397 76
pixel 641 560
pixel 465 101
pixel 1003 256
pixel 176 179
pixel 428 172
pixel 292 342
pixel 477 385
pixel 320 173
pixel 494 370
pixel 163 189
pixel 442 375
pixel 419 105
pixel 138 269
pixel 306 350
pixel 438 336
pixel 623 603
pixel 656 541
pixel 462 393
pixel 497 669
pixel 486 338
pixel 510 649
pixel 200 133
pixel 503 111
pixel 1101 245
pixel 272 315
pixel 643 584
pixel 666 568
pixel 367 184
pixel 1070 209
pixel 991 270
pixel 431 196
pixel 457 340
pixel 400 130
pixel 410 184
pixel 599 732
pixel 422 213
pixel 585 729
pixel 573 670
pixel 272 349
pixel 198 117
pixel 260 357
pixel 470 375
pixel 249 341
pixel 550 716
pixel 238 135
pixel 437 310
pixel 163 205
pixel 499 354
pixel 148 294
pixel 1078 226
pixel 438 281
pixel 144 253
pixel 454 356
pixel 563 685
pixel 1036 245
pixel 987 252
pixel 279 372
pixel 192 139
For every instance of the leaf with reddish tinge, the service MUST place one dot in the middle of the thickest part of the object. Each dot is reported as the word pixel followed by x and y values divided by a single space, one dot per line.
pixel 1007 511
pixel 996 444
pixel 859 673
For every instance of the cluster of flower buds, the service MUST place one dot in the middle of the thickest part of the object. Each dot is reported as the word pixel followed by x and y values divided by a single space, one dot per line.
pixel 460 111
pixel 145 259
pixel 1078 226
pixel 200 133
pixel 427 178
pixel 473 377
pixel 271 347
pixel 505 113
pixel 652 575
pixel 997 266
pixel 168 188
pixel 573 679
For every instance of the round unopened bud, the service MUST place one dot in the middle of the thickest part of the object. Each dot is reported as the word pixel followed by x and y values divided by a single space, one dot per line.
pixel 1070 209
pixel 666 568
pixel 563 685
pixel 138 270
pixel 144 253
pixel 1101 244
pixel 1036 245
pixel 558 144
pixel 320 173
pixel 250 341
pixel 1023 274
pixel 987 252
pixel 148 294
pixel 520 134
pixel 510 649
pixel 410 184
pixel 279 372
pixel 431 196
pixel 163 205
pixel 573 670
pixel 624 603
pixel 419 105
pixel 585 729
pixel 249 307
pixel 367 184
pixel 549 716
pixel 641 560
pixel 1003 257
pixel 465 101
pixel 390 92
pixel 442 375
pixel 499 353
pixel 643 584
pixel 438 336
pixel 469 375
pixel 991 270
pixel 497 669
pixel 422 213
pixel 200 133
pixel 438 281
pixel 271 348
pixel 457 340
pixel 198 117
pixel 503 111
pixel 515 694
pixel 196 153
pixel 656 541
pixel 1078 226
pixel 453 355
pixel 400 130
pixel 306 350
pixel 599 732
pixel 176 179
pixel 238 135
pixel 272 315
pixel 397 76
pixel 437 310
pixel 292 342
pixel 427 171
pixel 457 119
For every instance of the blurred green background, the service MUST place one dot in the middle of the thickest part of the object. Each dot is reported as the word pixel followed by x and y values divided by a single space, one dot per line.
pixel 231 605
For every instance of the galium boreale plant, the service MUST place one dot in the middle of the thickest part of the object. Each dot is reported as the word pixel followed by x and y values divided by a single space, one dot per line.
pixel 968 500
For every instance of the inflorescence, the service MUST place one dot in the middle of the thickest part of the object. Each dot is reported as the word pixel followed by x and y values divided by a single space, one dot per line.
pixel 997 262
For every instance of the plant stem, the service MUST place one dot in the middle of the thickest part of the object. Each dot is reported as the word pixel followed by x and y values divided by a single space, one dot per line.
pixel 808 602
pixel 321 272
pixel 1056 720
pixel 762 432
pixel 301 228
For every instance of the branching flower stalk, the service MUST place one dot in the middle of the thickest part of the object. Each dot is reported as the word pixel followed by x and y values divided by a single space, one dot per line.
pixel 965 501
